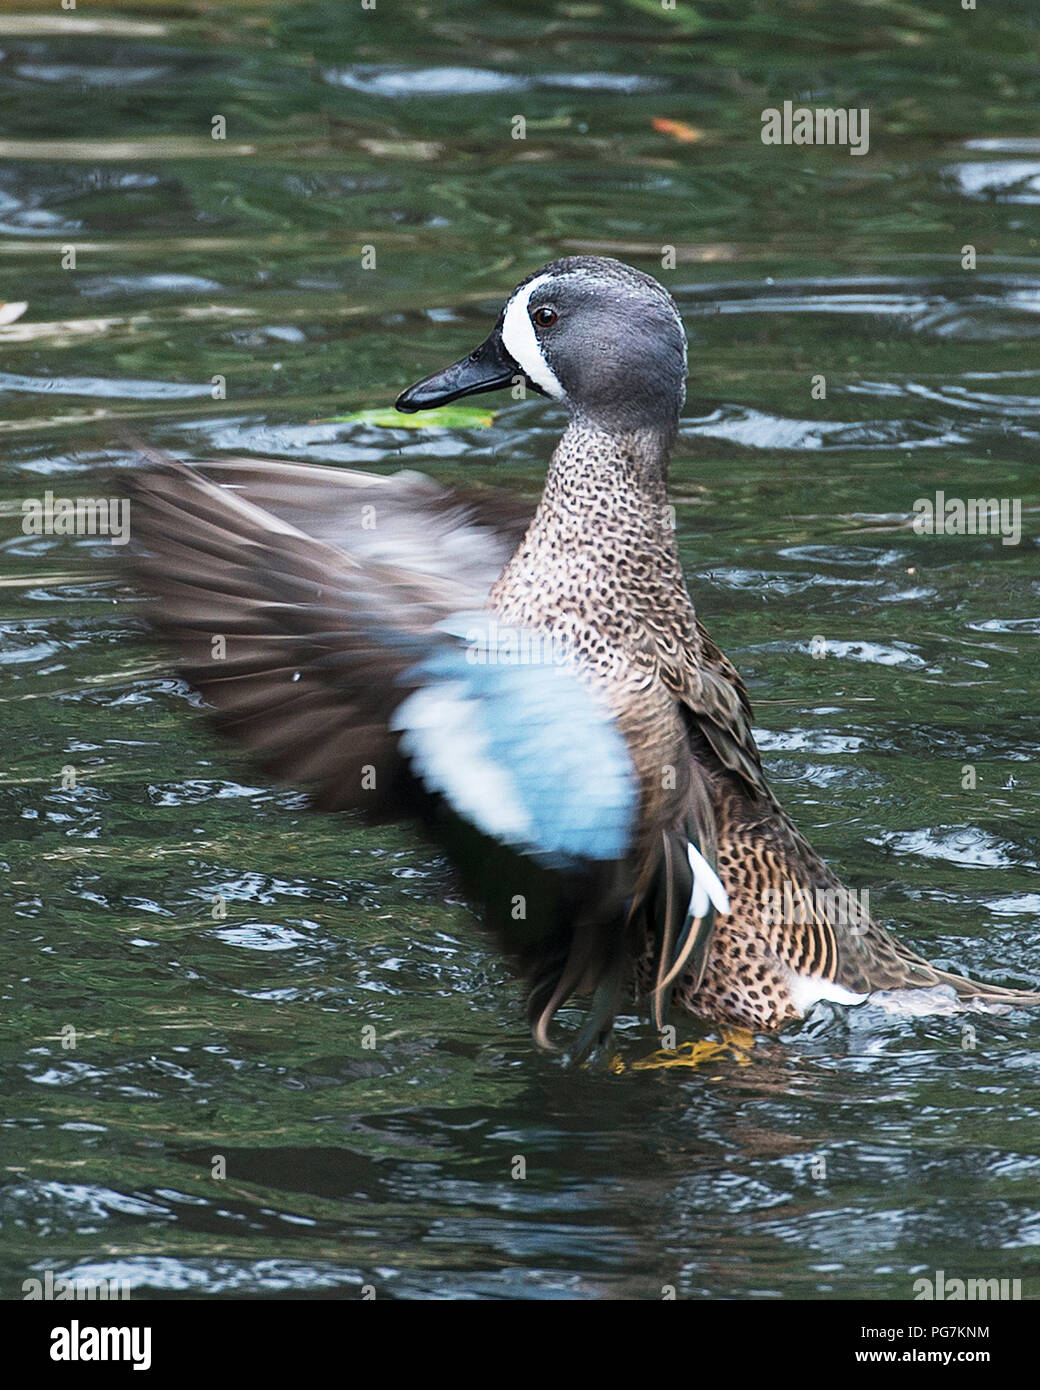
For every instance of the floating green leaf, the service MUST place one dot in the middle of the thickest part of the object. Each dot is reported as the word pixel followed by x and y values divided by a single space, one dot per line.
pixel 446 417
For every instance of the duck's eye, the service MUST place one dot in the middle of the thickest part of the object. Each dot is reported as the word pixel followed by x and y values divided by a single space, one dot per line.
pixel 544 317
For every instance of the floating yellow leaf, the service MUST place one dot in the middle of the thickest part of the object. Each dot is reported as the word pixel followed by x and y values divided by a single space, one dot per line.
pixel 678 130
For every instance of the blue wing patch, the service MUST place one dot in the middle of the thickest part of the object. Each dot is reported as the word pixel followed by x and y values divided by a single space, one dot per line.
pixel 518 745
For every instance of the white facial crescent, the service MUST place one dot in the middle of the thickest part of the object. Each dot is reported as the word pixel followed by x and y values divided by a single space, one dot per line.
pixel 522 344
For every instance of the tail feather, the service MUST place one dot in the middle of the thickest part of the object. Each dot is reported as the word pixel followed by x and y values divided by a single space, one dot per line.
pixel 967 988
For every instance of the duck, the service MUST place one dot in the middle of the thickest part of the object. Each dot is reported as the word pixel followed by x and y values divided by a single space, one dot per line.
pixel 536 690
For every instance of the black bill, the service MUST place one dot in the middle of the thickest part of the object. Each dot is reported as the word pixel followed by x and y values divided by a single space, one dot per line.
pixel 486 369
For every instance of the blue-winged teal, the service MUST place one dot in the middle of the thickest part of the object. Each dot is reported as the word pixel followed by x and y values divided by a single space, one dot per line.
pixel 539 692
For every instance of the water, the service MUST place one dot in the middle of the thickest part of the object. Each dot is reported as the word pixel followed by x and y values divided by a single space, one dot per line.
pixel 840 1159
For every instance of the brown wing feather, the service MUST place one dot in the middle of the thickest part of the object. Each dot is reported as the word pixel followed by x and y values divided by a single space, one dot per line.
pixel 274 626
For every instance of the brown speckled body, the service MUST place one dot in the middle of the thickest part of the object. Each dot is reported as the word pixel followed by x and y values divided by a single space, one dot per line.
pixel 600 569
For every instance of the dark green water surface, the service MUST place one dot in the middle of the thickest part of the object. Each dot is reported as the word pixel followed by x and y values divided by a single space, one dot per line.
pixel 843 1158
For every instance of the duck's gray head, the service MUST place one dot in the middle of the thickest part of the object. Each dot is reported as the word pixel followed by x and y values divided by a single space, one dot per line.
pixel 592 332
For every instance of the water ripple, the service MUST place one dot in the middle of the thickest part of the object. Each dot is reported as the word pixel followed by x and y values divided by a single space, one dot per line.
pixel 966 846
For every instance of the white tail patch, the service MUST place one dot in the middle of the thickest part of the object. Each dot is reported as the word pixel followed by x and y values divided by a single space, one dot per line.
pixel 707 886
pixel 521 341
pixel 805 991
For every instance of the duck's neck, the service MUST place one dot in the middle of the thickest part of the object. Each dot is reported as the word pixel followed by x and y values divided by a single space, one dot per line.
pixel 610 472
pixel 602 540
